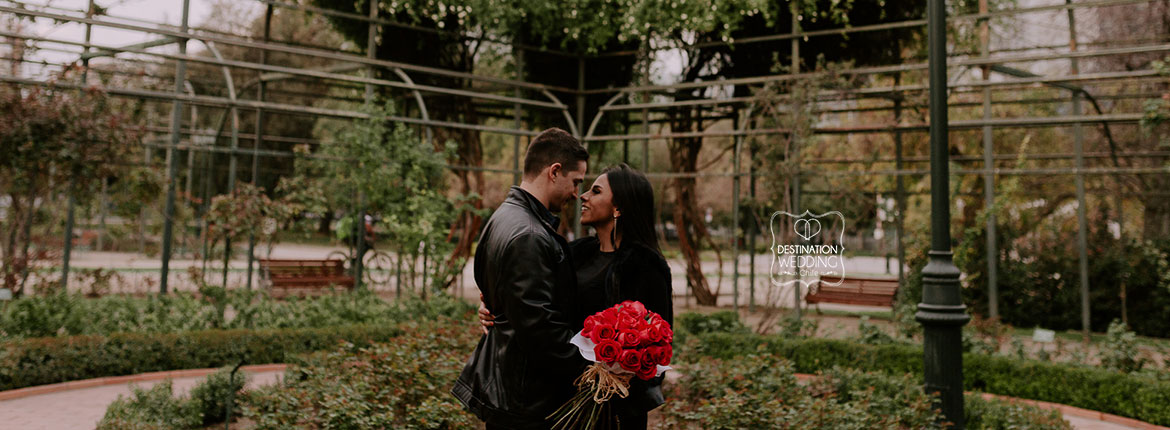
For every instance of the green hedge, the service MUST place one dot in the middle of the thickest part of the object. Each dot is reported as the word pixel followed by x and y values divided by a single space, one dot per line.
pixel 1134 396
pixel 40 361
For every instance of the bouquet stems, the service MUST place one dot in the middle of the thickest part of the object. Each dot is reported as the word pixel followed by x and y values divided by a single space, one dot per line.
pixel 590 408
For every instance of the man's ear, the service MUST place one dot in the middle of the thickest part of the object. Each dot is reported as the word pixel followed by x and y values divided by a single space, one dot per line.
pixel 554 170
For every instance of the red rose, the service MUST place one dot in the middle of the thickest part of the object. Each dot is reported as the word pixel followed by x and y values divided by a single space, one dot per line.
pixel 602 332
pixel 653 316
pixel 627 339
pixel 664 329
pixel 610 315
pixel 630 359
pixel 627 322
pixel 589 323
pixel 607 351
pixel 634 309
pixel 652 354
pixel 648 336
pixel 666 353
pixel 648 370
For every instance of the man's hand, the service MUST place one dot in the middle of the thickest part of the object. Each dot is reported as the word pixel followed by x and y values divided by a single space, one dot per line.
pixel 485 317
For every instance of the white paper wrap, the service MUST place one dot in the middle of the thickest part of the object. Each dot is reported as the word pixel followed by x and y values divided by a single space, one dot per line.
pixel 585 346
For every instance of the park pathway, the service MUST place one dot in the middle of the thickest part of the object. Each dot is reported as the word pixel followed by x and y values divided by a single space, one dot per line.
pixel 66 408
pixel 82 408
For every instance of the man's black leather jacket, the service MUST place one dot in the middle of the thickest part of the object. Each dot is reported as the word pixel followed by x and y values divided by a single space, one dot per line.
pixel 524 368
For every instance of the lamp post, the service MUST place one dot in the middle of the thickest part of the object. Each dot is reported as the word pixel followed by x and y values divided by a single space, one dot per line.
pixel 941 312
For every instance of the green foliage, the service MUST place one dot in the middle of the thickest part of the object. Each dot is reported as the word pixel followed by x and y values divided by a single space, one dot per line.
pixel 589 25
pixel 126 336
pixel 1157 111
pixel 694 323
pixel 870 334
pixel 155 408
pixel 997 414
pixel 40 361
pixel 401 384
pixel 210 396
pixel 897 400
pixel 761 391
pixel 246 212
pixel 53 142
pixel 64 314
pixel 985 335
pixel 1136 396
pixel 1039 283
pixel 380 167
pixel 1120 350
pixel 793 326
pixel 158 407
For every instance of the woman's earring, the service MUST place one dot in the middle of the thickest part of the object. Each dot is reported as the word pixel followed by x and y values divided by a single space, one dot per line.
pixel 613 233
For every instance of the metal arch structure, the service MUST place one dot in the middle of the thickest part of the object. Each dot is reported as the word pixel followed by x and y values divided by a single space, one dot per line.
pixel 889 106
pixel 900 125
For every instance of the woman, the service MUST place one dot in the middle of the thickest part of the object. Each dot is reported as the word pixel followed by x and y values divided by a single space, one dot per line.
pixel 621 261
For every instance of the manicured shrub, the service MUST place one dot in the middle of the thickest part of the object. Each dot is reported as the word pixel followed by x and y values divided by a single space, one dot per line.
pixel 760 391
pixel 50 360
pixel 1120 350
pixel 983 413
pixel 211 395
pixel 176 332
pixel 65 314
pixel 155 408
pixel 717 322
pixel 1130 395
pixel 402 384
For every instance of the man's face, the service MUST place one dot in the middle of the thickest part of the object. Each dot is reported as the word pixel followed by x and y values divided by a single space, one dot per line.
pixel 565 186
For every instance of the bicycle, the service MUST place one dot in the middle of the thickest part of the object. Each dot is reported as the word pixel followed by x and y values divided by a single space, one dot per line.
pixel 377 266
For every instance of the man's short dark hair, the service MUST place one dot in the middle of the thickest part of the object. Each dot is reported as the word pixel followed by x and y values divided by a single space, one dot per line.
pixel 553 146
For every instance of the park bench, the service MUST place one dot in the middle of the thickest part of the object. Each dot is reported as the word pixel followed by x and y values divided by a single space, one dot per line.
pixel 854 290
pixel 304 277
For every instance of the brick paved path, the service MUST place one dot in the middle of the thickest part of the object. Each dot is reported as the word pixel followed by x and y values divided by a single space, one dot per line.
pixel 81 409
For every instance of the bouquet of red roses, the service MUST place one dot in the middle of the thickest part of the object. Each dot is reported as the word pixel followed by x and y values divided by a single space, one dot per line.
pixel 623 342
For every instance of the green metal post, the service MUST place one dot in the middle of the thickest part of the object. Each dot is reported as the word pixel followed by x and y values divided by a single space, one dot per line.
pixel 256 141
pixel 735 220
pixel 754 226
pixel 1079 150
pixel 176 129
pixel 900 186
pixel 941 312
pixel 581 127
pixel 796 151
pixel 989 176
pixel 70 215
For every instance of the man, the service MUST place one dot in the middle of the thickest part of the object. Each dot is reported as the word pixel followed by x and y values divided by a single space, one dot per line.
pixel 523 368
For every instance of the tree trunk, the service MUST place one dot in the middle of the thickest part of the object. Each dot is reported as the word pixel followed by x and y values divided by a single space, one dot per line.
pixel 469 221
pixel 692 230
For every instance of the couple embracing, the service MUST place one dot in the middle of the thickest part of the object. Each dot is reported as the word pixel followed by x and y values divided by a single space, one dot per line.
pixel 537 288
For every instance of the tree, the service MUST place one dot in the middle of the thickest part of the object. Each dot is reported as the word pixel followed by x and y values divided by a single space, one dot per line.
pixel 53 141
pixel 1146 22
pixel 698 27
pixel 398 177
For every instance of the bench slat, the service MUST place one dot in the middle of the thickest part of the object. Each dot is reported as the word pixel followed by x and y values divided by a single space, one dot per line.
pixel 314 277
pixel 854 290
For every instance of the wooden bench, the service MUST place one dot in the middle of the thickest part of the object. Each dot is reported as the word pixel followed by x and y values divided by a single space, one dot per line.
pixel 304 277
pixel 854 290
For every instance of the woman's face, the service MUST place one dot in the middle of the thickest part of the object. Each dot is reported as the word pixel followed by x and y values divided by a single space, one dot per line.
pixel 597 203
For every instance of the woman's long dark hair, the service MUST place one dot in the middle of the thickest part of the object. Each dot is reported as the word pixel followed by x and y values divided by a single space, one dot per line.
pixel 634 196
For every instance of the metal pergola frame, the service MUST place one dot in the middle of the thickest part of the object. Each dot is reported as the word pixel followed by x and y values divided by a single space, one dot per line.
pixel 520 95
